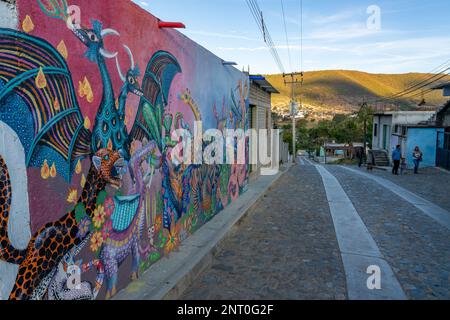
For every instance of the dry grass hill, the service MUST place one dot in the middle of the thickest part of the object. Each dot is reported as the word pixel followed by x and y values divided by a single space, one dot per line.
pixel 341 91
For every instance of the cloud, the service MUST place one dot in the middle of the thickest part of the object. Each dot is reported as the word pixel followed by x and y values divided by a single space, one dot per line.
pixel 229 35
pixel 348 32
pixel 399 56
pixel 335 18
pixel 278 47
pixel 387 56
pixel 323 20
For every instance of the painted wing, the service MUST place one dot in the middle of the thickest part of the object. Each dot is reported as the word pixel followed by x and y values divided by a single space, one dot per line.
pixel 235 107
pixel 161 70
pixel 47 118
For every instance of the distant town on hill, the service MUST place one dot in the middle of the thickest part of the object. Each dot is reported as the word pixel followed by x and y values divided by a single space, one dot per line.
pixel 327 93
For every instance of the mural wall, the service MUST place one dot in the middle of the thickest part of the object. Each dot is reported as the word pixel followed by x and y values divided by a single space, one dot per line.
pixel 87 112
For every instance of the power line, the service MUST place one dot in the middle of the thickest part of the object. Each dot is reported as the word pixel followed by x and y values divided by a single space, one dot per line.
pixel 301 35
pixel 257 15
pixel 422 83
pixel 417 90
pixel 438 74
pixel 286 33
pixel 259 19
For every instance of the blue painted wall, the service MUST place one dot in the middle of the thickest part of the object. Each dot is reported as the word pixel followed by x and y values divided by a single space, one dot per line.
pixel 426 139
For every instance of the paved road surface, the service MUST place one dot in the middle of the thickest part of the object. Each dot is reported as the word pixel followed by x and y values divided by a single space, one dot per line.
pixel 294 244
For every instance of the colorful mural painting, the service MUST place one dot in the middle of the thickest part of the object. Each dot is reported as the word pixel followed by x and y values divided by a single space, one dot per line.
pixel 104 200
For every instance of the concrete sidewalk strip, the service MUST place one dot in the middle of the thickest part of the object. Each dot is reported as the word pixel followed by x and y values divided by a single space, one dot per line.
pixel 307 161
pixel 356 272
pixel 358 249
pixel 435 212
pixel 169 277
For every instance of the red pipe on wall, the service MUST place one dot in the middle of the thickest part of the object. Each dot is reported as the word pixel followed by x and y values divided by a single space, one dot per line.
pixel 162 24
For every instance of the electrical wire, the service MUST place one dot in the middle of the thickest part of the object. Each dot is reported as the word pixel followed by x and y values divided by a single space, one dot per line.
pixel 301 35
pixel 258 16
pixel 286 34
pixel 417 91
pixel 429 80
pixel 437 74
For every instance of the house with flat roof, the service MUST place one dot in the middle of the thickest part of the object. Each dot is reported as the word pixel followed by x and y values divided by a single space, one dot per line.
pixel 260 108
pixel 407 129
pixel 442 119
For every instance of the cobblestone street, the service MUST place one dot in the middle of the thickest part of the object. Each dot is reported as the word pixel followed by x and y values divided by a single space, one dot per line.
pixel 416 247
pixel 428 184
pixel 288 247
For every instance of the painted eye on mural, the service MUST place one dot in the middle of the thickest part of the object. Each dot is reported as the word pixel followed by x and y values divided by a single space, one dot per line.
pixel 131 80
pixel 92 36
pixel 106 157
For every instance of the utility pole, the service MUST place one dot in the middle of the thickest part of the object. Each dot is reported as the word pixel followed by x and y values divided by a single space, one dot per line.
pixel 294 80
pixel 364 111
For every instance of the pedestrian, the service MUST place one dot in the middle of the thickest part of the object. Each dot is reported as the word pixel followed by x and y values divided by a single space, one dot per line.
pixel 396 156
pixel 403 166
pixel 417 159
pixel 360 156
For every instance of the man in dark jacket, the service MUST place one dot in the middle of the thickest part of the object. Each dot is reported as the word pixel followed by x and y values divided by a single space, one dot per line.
pixel 396 157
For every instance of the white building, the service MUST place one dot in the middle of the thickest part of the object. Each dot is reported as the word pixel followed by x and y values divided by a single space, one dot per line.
pixel 407 129
pixel 390 126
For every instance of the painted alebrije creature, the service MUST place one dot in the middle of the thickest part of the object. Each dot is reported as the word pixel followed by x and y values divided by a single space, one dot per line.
pixel 106 132
pixel 128 219
pixel 150 119
pixel 47 247
pixel 57 284
pixel 130 86
pixel 57 134
pixel 49 131
pixel 107 128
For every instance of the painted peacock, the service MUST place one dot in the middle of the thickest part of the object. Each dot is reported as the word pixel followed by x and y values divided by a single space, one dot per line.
pixel 154 123
pixel 38 99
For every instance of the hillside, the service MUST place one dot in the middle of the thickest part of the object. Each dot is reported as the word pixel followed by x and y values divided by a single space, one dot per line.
pixel 340 91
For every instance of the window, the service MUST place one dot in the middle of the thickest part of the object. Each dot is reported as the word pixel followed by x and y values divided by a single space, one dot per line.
pixel 396 128
pixel 375 129
pixel 252 116
pixel 447 141
pixel 386 136
pixel 404 131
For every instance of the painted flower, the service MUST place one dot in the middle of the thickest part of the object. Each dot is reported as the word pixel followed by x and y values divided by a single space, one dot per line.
pixel 172 242
pixel 96 241
pixel 83 227
pixel 99 216
pixel 106 230
pixel 233 185
pixel 109 207
pixel 73 196
pixel 158 222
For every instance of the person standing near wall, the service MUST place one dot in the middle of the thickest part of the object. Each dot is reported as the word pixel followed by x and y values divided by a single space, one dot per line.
pixel 417 159
pixel 396 157
pixel 359 156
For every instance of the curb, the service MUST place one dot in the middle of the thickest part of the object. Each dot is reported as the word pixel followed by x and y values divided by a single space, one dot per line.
pixel 168 278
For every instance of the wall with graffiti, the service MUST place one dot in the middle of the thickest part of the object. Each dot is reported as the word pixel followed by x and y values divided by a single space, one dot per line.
pixel 88 185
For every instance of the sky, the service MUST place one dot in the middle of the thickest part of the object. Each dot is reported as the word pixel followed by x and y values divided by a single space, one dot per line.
pixel 409 36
